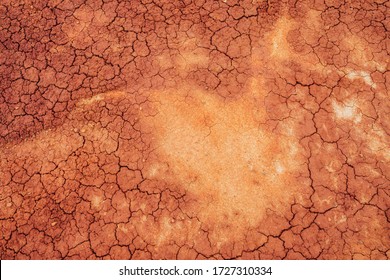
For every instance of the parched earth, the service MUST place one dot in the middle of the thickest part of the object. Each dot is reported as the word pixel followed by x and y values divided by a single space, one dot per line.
pixel 194 129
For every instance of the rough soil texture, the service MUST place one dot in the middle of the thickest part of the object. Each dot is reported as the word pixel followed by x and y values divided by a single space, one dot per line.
pixel 194 129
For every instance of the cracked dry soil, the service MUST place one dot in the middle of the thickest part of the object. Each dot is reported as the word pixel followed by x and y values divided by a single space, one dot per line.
pixel 156 129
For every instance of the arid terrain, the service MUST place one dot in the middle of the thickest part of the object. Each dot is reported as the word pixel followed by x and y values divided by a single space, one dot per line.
pixel 224 129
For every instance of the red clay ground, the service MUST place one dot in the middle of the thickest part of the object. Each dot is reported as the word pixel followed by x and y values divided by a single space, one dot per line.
pixel 194 129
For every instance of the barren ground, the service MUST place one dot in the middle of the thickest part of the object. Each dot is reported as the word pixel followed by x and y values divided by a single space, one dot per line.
pixel 194 129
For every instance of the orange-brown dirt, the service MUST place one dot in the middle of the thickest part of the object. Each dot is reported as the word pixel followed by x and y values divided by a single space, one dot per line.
pixel 194 129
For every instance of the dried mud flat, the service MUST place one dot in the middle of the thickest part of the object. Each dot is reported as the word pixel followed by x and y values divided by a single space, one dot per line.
pixel 194 129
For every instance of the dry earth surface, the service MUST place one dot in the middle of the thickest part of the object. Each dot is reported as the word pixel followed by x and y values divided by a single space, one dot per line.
pixel 157 129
